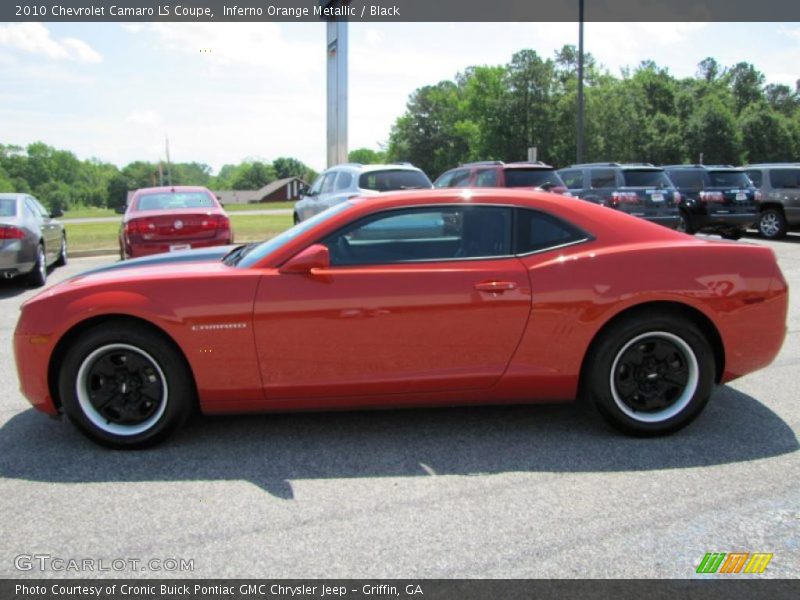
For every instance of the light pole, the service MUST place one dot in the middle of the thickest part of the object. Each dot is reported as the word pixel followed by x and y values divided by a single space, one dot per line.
pixel 579 152
pixel 337 91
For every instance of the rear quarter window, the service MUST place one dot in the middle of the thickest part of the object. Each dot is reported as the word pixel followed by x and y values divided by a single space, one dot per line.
pixel 537 231
pixel 785 178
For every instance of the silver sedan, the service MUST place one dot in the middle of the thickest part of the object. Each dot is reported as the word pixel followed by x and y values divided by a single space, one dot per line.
pixel 31 239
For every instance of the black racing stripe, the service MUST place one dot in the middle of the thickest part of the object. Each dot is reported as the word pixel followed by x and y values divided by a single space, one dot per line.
pixel 212 254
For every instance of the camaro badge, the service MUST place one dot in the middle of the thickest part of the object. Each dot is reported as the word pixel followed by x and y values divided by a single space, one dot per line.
pixel 178 224
pixel 213 326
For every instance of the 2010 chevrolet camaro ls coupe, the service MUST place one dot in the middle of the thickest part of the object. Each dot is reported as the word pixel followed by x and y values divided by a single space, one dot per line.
pixel 411 299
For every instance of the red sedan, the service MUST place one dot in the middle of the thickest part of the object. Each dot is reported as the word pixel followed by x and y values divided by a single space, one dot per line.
pixel 166 219
pixel 412 299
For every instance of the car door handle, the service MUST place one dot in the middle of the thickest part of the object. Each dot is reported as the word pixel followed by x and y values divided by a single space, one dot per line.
pixel 495 286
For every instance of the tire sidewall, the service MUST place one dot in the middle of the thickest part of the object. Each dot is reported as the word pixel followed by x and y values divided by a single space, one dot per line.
pixel 179 385
pixel 610 345
pixel 781 221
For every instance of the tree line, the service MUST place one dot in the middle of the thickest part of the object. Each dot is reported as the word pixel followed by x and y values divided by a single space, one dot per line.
pixel 727 115
pixel 62 181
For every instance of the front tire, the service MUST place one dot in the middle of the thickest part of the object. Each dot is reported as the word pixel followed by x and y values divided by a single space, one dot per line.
pixel 62 255
pixel 651 375
pixel 125 387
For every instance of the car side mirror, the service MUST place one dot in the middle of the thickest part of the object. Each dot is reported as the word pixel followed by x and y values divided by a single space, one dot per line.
pixel 315 256
pixel 120 210
pixel 56 213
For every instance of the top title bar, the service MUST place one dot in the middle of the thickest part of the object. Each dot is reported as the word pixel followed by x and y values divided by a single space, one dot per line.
pixel 397 10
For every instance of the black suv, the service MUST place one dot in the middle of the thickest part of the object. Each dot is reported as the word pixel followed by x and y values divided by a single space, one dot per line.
pixel 720 198
pixel 639 189
pixel 496 173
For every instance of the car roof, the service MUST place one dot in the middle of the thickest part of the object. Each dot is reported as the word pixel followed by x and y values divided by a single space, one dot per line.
pixel 772 165
pixel 360 168
pixel 172 188
pixel 616 165
pixel 704 167
pixel 12 195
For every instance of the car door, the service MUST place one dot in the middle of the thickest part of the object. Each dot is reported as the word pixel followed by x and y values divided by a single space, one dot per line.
pixel 573 180
pixel 325 199
pixel 415 300
pixel 50 229
pixel 305 207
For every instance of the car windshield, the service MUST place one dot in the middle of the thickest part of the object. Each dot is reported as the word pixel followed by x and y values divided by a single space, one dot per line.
pixel 532 178
pixel 255 254
pixel 8 207
pixel 174 200
pixel 736 179
pixel 646 178
pixel 395 179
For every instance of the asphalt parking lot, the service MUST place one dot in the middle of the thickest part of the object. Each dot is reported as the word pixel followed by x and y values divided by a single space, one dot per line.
pixel 538 491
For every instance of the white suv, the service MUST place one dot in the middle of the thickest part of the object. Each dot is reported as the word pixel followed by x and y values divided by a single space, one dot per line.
pixel 343 182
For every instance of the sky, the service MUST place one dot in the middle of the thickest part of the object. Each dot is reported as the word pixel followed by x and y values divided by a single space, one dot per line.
pixel 226 92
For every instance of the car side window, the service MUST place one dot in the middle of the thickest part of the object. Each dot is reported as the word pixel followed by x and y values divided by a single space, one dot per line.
pixel 756 177
pixel 486 178
pixel 603 178
pixel 424 234
pixel 327 184
pixel 785 178
pixel 317 185
pixel 34 207
pixel 460 178
pixel 343 181
pixel 537 231
pixel 572 179
pixel 444 180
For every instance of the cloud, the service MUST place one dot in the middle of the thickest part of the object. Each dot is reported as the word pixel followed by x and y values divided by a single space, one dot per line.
pixel 241 44
pixel 145 118
pixel 35 38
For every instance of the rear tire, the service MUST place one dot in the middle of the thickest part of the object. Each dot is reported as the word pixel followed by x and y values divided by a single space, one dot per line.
pixel 38 276
pixel 772 224
pixel 125 387
pixel 650 375
pixel 685 224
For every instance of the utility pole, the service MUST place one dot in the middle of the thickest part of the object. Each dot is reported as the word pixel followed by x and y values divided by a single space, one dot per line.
pixel 579 153
pixel 337 91
pixel 169 164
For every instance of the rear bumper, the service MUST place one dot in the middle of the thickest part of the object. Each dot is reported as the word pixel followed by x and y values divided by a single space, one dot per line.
pixel 137 249
pixel 738 220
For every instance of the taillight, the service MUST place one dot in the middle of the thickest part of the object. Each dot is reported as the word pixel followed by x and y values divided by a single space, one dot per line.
pixel 624 198
pixel 676 198
pixel 140 226
pixel 758 196
pixel 9 232
pixel 711 197
pixel 214 222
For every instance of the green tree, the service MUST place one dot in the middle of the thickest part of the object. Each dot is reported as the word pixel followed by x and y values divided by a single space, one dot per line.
pixel 366 156
pixel 712 132
pixel 766 134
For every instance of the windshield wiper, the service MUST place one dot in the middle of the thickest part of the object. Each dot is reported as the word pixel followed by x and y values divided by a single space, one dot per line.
pixel 235 255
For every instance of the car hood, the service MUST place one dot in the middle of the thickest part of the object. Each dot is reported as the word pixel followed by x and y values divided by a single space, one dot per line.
pixel 166 259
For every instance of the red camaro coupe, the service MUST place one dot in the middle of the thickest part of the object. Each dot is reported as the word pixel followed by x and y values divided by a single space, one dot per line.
pixel 412 299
